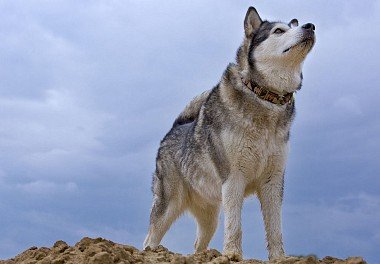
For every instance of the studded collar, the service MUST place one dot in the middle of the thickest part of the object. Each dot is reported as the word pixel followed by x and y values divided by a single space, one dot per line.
pixel 269 96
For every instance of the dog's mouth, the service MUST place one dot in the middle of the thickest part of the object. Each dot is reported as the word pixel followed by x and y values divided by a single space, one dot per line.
pixel 307 41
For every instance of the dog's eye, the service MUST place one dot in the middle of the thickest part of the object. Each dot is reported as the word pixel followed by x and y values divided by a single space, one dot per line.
pixel 279 31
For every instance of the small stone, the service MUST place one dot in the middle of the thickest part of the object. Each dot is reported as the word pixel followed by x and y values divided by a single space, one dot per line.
pixel 221 260
pixel 148 248
pixel 46 260
pixel 83 243
pixel 356 260
pixel 160 248
pixel 328 260
pixel 213 253
pixel 132 249
pixel 60 246
pixel 190 260
pixel 58 261
pixel 99 239
pixel 308 260
pixel 178 259
pixel 234 257
pixel 40 255
pixel 102 258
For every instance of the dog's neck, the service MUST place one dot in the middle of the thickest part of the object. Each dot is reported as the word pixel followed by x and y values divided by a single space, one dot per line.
pixel 280 79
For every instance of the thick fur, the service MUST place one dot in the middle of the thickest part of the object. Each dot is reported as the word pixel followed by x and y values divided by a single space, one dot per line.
pixel 228 143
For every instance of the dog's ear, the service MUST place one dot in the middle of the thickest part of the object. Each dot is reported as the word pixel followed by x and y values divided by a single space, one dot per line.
pixel 252 21
pixel 293 23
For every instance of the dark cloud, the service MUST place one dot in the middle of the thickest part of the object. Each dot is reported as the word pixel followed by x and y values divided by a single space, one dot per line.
pixel 87 90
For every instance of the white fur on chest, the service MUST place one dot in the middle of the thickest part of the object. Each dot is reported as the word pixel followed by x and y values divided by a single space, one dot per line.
pixel 255 152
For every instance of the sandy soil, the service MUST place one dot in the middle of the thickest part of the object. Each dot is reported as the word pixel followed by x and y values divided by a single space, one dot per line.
pixel 101 251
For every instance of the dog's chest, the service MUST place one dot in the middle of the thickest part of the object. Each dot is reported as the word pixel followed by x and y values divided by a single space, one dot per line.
pixel 255 149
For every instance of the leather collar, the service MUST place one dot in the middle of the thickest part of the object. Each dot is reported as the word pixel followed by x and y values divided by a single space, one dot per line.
pixel 269 96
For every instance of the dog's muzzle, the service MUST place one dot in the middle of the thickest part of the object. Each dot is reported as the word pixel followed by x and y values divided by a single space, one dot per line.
pixel 308 36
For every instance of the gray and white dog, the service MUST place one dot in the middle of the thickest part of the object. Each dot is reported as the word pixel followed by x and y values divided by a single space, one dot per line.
pixel 232 141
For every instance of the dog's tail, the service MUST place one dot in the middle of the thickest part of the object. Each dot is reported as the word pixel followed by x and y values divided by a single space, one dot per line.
pixel 191 111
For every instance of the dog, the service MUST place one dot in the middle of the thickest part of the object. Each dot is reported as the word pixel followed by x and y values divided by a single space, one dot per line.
pixel 232 141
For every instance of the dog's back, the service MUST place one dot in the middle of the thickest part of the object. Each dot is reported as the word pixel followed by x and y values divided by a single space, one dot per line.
pixel 191 111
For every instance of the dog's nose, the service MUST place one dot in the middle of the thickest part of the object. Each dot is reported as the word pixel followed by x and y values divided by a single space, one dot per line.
pixel 309 26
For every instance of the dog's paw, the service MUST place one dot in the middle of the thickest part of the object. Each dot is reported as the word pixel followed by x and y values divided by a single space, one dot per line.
pixel 233 255
pixel 147 248
pixel 277 255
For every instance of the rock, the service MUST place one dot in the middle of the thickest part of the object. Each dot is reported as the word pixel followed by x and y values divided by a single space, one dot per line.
pixel 102 251
pixel 60 246
pixel 221 260
pixel 178 259
pixel 355 260
pixel 101 258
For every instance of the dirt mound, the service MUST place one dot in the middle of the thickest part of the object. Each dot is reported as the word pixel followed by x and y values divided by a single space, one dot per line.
pixel 101 251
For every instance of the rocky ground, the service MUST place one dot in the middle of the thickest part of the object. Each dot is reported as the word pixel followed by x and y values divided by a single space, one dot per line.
pixel 101 251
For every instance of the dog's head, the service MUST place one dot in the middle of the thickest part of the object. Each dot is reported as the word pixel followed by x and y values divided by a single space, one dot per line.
pixel 273 52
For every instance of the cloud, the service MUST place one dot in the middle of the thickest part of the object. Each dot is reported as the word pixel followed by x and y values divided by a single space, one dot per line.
pixel 58 120
pixel 49 138
pixel 38 187
pixel 343 222
pixel 348 105
pixel 87 90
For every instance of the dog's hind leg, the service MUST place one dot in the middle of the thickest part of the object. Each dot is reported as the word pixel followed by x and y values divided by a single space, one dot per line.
pixel 167 207
pixel 160 224
pixel 207 222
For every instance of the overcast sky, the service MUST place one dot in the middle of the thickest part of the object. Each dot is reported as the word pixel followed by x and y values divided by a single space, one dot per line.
pixel 89 88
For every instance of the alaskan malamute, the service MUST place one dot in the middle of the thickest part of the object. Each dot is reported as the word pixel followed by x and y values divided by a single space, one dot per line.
pixel 232 141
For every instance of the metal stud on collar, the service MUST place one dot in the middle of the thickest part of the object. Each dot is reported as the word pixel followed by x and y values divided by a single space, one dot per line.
pixel 269 95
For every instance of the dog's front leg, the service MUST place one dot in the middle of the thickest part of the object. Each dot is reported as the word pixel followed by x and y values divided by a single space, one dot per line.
pixel 232 197
pixel 270 195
